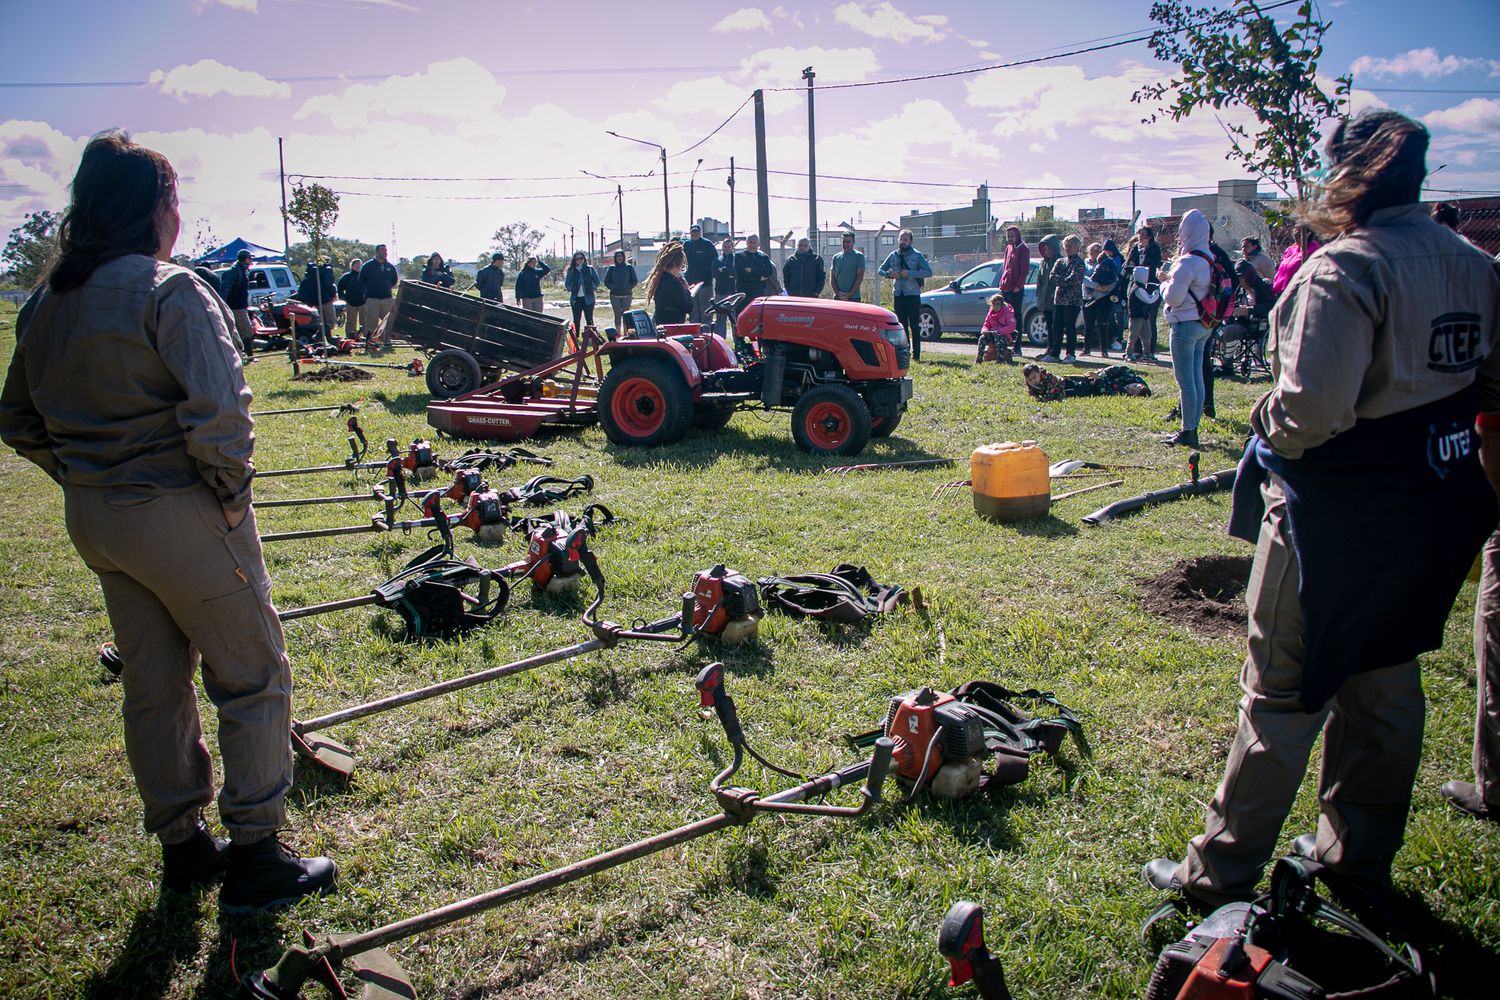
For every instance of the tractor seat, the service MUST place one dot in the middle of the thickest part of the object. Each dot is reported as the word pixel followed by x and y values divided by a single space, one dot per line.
pixel 639 326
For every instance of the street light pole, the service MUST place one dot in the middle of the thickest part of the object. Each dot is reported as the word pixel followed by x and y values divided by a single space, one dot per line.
pixel 812 164
pixel 666 204
pixel 619 200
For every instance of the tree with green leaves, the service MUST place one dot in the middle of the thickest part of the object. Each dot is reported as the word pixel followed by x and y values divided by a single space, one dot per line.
pixel 312 211
pixel 1240 57
pixel 516 241
pixel 32 245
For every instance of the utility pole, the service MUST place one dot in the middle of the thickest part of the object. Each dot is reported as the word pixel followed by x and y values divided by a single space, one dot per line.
pixel 692 191
pixel 588 229
pixel 731 196
pixel 762 195
pixel 286 235
pixel 812 164
pixel 1132 202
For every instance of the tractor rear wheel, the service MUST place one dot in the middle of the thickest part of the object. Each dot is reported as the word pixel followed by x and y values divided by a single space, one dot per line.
pixel 644 401
pixel 831 420
pixel 884 427
pixel 452 373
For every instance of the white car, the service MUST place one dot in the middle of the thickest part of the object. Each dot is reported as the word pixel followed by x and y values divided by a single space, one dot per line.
pixel 274 280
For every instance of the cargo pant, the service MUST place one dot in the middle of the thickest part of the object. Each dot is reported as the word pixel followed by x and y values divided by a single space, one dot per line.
pixel 621 305
pixel 1487 677
pixel 375 312
pixel 245 328
pixel 1372 740
pixel 178 583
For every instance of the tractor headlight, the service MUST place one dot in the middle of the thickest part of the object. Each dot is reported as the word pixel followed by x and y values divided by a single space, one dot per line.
pixel 895 336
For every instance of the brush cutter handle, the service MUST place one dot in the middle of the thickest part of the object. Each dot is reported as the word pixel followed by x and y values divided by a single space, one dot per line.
pixel 432 507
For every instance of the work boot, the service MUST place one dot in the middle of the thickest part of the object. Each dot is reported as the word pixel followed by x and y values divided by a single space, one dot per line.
pixel 265 874
pixel 1305 846
pixel 1161 873
pixel 193 862
pixel 1463 796
pixel 1188 439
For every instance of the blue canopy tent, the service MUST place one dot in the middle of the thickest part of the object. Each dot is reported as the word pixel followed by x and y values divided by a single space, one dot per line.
pixel 227 253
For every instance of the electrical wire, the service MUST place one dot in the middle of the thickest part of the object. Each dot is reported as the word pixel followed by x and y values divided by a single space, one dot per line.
pixel 716 130
pixel 466 180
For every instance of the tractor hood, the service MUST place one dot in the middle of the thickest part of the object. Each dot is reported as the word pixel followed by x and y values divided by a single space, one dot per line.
pixel 784 309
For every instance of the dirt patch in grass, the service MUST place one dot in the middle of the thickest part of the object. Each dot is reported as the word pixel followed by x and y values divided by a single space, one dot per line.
pixel 334 375
pixel 1204 594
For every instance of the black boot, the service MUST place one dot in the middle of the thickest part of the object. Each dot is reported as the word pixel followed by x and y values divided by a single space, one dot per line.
pixel 1188 439
pixel 193 862
pixel 265 874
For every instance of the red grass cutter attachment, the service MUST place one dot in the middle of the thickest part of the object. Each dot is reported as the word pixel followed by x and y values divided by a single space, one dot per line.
pixel 961 941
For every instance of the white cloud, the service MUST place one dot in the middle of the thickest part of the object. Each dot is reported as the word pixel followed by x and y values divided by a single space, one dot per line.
pixel 922 128
pixel 209 78
pixel 455 90
pixel 1043 99
pixel 1421 62
pixel 783 66
pixel 744 19
pixel 248 6
pixel 1478 114
pixel 883 20
pixel 712 93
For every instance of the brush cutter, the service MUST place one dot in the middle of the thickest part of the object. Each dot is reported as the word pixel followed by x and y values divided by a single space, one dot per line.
pixel 1194 487
pixel 722 605
pixel 961 942
pixel 341 409
pixel 412 367
pixel 953 488
pixel 359 446
pixel 431 506
pixel 377 493
pixel 363 955
pixel 844 470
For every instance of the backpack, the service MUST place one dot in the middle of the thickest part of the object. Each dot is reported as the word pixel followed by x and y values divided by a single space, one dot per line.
pixel 1215 307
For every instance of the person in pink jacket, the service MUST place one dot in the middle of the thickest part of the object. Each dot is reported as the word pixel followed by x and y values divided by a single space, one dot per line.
pixel 998 331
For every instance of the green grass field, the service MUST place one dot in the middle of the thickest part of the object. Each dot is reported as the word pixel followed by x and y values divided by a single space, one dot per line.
pixel 473 791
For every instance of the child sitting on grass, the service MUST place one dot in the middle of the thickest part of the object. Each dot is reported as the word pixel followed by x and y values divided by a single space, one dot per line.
pixel 999 327
pixel 1116 380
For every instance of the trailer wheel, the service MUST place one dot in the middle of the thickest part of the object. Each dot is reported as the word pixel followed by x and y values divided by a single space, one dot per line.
pixel 831 420
pixel 884 427
pixel 644 401
pixel 452 373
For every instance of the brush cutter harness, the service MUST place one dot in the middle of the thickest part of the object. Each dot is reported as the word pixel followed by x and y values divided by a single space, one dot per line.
pixel 497 460
pixel 1255 950
pixel 429 595
pixel 844 596
pixel 943 740
pixel 547 489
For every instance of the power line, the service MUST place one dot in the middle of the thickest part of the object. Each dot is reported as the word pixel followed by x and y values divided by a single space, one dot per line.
pixel 1007 65
pixel 1425 90
pixel 472 180
pixel 715 132
pixel 380 77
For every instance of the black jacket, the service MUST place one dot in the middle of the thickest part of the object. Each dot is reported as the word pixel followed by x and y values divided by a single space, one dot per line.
pixel 236 284
pixel 803 274
pixel 379 279
pixel 724 277
pixel 442 277
pixel 529 281
pixel 1151 258
pixel 750 273
pixel 351 290
pixel 620 279
pixel 701 255
pixel 491 283
pixel 673 302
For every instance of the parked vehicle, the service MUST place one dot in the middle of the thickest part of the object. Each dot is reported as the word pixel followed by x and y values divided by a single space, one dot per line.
pixel 274 280
pixel 960 306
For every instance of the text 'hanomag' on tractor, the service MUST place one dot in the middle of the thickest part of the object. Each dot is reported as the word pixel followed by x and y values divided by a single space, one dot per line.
pixel 841 367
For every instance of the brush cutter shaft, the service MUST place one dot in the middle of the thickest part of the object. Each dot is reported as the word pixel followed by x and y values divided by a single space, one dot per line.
pixel 302 409
pixel 467 681
pixel 362 466
pixel 308 501
pixel 353 529
pixel 322 609
pixel 381 936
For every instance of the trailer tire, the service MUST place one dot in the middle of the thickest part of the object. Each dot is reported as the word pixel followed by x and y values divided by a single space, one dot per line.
pixel 452 373
pixel 831 420
pixel 884 427
pixel 645 402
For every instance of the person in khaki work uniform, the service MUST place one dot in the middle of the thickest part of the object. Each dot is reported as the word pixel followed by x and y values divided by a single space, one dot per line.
pixel 154 462
pixel 1384 351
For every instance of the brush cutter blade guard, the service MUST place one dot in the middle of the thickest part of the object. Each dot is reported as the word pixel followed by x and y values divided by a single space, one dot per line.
pixel 330 755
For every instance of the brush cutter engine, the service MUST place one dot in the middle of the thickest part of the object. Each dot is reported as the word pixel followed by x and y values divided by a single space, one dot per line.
pixel 554 558
pixel 939 743
pixel 466 482
pixel 486 515
pixel 725 605
pixel 419 460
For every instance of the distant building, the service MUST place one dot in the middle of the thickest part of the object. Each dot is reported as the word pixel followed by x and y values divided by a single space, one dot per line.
pixel 875 244
pixel 1236 211
pixel 950 232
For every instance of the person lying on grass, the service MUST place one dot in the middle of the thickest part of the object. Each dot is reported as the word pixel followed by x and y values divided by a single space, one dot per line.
pixel 1116 380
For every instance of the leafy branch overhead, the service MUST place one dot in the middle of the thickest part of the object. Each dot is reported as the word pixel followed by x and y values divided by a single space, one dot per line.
pixel 1240 57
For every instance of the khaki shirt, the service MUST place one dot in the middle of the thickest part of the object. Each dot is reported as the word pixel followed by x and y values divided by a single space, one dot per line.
pixel 1397 314
pixel 132 380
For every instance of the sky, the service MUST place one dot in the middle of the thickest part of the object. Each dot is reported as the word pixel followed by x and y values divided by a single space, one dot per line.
pixel 438 121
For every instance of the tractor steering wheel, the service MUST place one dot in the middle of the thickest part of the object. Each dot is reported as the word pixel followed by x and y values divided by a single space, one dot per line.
pixel 728 304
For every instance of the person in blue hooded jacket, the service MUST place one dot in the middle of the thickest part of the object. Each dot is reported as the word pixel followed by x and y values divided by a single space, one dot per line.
pixel 909 269
pixel 581 279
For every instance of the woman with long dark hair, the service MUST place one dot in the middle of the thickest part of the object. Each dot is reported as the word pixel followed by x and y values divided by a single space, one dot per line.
pixel 1383 350
pixel 581 279
pixel 437 272
pixel 126 388
pixel 667 287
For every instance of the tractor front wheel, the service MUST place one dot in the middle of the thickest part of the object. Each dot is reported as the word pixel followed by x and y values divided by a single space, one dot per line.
pixel 644 401
pixel 831 420
pixel 884 427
